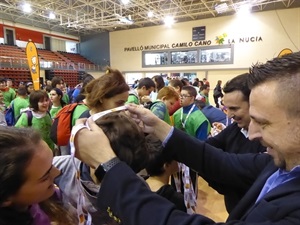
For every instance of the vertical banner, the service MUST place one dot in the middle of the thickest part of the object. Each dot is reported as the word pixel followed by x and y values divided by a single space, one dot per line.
pixel 34 64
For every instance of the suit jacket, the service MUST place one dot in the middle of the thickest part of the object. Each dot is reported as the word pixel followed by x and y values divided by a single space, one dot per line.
pixel 129 199
pixel 232 140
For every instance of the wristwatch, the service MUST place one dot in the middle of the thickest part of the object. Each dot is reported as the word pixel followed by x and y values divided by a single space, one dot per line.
pixel 104 167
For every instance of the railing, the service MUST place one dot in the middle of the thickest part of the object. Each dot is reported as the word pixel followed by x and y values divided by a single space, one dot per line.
pixel 10 62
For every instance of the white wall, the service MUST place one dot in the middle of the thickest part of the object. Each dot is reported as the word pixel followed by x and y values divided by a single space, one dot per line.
pixel 278 29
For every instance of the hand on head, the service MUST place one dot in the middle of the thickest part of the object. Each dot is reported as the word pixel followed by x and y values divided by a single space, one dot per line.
pixel 92 146
pixel 144 117
pixel 149 122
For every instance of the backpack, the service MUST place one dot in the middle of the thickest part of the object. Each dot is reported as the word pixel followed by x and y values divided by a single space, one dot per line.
pixel 149 105
pixel 29 117
pixel 60 131
pixel 10 115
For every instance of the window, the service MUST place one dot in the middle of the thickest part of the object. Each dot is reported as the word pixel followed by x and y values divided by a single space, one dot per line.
pixel 184 57
pixel 155 58
pixel 216 55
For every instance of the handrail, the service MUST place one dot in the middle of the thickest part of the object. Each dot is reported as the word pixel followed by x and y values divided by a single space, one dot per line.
pixel 12 62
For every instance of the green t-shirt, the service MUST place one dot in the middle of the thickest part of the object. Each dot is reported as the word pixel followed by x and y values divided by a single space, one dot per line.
pixel 8 96
pixel 77 112
pixel 133 99
pixel 43 125
pixel 54 110
pixel 66 99
pixel 20 103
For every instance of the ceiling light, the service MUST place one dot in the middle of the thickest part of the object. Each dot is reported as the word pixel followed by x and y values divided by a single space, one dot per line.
pixel 52 15
pixel 150 14
pixel 125 2
pixel 244 9
pixel 169 21
pixel 26 8
pixel 221 8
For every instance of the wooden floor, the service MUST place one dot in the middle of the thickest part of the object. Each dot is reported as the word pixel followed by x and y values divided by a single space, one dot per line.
pixel 210 203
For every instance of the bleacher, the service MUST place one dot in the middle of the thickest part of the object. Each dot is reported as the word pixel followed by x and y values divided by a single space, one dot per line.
pixel 71 77
pixel 14 65
pixel 78 60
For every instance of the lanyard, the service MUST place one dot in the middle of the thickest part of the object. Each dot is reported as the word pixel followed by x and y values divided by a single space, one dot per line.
pixel 186 118
pixel 84 216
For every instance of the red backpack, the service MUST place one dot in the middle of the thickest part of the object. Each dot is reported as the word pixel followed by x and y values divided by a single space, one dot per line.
pixel 62 125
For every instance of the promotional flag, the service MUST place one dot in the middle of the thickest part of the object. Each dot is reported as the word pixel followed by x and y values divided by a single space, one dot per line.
pixel 34 64
pixel 285 52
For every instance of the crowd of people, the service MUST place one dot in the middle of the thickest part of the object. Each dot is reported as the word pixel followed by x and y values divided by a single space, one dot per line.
pixel 127 156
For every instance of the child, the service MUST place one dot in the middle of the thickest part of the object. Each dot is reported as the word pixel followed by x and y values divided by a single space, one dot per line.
pixel 128 142
pixel 166 98
pixel 56 96
pixel 40 119
pixel 160 170
pixel 2 110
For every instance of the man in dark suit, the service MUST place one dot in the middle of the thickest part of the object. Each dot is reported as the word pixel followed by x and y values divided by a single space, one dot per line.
pixel 270 181
pixel 234 138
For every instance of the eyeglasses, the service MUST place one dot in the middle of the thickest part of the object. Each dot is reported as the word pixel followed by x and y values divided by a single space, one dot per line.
pixel 185 96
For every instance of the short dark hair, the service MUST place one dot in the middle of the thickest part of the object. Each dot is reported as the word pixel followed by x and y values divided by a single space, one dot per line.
pixel 238 83
pixel 285 71
pixel 22 91
pixel 160 83
pixel 185 81
pixel 191 90
pixel 35 97
pixel 157 158
pixel 56 80
pixel 176 83
pixel 204 87
pixel 147 82
pixel 127 141
pixel 2 80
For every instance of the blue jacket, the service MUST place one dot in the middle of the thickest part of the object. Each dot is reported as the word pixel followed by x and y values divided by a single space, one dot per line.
pixel 127 198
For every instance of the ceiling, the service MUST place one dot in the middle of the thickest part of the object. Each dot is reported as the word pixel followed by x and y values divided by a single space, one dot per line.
pixel 83 17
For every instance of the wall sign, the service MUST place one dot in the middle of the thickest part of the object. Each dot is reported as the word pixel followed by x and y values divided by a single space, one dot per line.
pixel 199 33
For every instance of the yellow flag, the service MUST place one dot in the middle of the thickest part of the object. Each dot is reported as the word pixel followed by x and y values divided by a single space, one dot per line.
pixel 34 64
pixel 285 52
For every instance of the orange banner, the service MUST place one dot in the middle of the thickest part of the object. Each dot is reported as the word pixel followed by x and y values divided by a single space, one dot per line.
pixel 34 64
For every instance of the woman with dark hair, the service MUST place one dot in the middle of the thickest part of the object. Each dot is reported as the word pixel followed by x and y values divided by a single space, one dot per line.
pixel 56 96
pixel 27 193
pixel 38 116
pixel 29 87
pixel 58 82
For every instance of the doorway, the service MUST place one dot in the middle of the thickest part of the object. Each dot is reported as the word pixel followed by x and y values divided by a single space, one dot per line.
pixel 10 37
pixel 47 43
